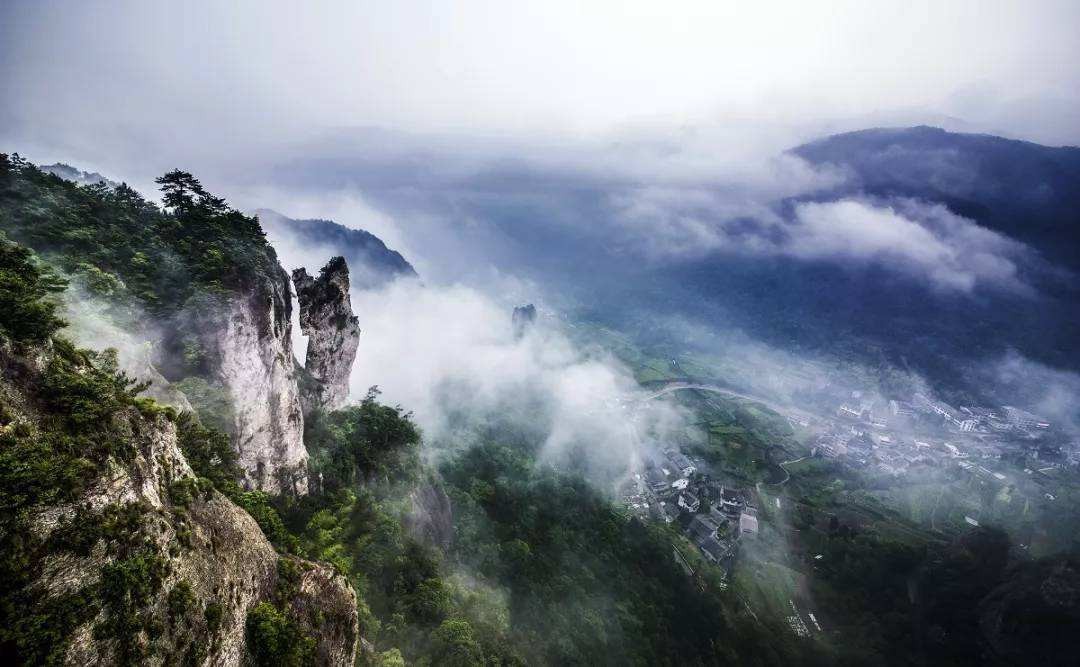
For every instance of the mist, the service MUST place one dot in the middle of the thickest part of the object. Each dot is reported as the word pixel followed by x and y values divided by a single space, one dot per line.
pixel 448 354
pixel 822 249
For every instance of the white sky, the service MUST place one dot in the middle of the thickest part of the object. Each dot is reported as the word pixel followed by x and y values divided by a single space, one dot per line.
pixel 80 74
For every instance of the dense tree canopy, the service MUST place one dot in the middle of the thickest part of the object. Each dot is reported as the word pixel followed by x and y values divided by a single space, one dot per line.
pixel 120 240
pixel 28 316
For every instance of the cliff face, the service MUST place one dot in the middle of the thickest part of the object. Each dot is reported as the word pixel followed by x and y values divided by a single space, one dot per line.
pixel 251 341
pixel 165 569
pixel 523 319
pixel 431 517
pixel 327 319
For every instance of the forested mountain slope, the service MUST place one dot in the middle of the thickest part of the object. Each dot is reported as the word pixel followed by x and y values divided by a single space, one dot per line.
pixel 1022 189
pixel 372 263
pixel 156 544
pixel 199 281
pixel 121 540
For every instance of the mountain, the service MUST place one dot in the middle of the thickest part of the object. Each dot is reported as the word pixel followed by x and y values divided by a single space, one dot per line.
pixel 371 262
pixel 67 172
pixel 125 536
pixel 1025 195
pixel 200 285
pixel 132 532
pixel 1026 191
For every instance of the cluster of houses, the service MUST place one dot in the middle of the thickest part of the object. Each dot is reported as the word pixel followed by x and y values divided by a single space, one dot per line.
pixel 976 439
pixel 856 406
pixel 894 454
pixel 965 419
pixel 864 434
pixel 713 516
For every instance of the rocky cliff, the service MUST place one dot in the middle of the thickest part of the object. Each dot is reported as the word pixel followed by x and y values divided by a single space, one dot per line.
pixel 327 319
pixel 250 342
pixel 523 319
pixel 431 516
pixel 145 563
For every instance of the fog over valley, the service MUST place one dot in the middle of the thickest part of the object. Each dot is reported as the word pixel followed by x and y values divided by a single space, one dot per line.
pixel 518 333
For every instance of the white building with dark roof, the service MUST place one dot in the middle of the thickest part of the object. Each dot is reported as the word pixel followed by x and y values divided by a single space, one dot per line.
pixel 681 464
pixel 689 501
pixel 748 524
pixel 1023 418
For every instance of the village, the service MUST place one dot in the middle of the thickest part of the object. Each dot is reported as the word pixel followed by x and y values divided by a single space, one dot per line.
pixel 896 437
pixel 674 490
pixel 871 436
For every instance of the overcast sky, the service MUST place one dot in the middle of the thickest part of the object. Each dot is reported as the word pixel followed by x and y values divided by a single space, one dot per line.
pixel 141 82
pixel 655 129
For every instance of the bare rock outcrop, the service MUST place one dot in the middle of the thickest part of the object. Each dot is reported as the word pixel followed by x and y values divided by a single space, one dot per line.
pixel 198 562
pixel 326 318
pixel 523 319
pixel 430 518
pixel 250 341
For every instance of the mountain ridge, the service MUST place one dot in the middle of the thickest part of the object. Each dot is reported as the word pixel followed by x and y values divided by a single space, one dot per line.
pixel 1027 191
pixel 371 261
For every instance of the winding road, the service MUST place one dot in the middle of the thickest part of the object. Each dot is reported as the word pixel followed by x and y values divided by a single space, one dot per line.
pixel 784 410
pixel 680 385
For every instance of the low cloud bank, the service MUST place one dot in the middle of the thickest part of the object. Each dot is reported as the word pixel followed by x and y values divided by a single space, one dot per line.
pixel 926 242
pixel 644 195
pixel 450 352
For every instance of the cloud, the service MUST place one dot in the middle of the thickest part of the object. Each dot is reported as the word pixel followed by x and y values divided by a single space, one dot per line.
pixel 924 241
pixel 449 353
pixel 927 241
pixel 99 324
pixel 459 208
pixel 244 74
pixel 1049 392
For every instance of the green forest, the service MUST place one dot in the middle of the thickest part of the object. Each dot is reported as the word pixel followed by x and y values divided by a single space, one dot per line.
pixel 542 567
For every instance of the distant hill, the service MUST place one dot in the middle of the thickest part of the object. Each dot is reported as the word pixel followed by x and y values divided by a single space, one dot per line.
pixel 370 262
pixel 69 173
pixel 867 311
pixel 1027 191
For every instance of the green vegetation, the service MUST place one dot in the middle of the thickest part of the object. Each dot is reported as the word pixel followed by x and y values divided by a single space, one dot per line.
pixel 25 288
pixel 128 586
pixel 585 585
pixel 63 419
pixel 181 600
pixel 542 569
pixel 209 454
pixel 259 505
pixel 125 246
pixel 734 435
pixel 179 264
pixel 453 644
pixel 213 614
pixel 47 459
pixel 210 400
pixel 274 639
pixel 363 443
